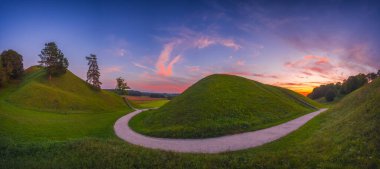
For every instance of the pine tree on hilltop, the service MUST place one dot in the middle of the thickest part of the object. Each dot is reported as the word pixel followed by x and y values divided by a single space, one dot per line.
pixel 93 73
pixel 53 60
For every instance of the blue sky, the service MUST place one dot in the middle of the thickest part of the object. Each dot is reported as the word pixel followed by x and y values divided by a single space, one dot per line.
pixel 166 46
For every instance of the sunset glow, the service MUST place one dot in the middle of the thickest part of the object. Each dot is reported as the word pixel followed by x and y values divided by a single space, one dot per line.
pixel 168 46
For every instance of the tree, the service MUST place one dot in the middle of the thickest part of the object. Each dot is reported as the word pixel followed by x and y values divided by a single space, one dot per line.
pixel 11 63
pixel 93 73
pixel 353 83
pixel 53 60
pixel 330 95
pixel 322 90
pixel 371 76
pixel 121 86
pixel 378 73
pixel 2 74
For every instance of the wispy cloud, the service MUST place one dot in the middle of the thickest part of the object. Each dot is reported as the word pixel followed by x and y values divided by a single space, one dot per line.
pixel 240 63
pixel 230 43
pixel 142 66
pixel 309 65
pixel 203 42
pixel 164 66
pixel 250 74
pixel 313 68
pixel 120 52
pixel 193 68
pixel 190 38
pixel 112 69
pixel 152 82
pixel 117 46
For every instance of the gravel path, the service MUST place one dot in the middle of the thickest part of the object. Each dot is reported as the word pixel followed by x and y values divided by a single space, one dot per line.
pixel 210 145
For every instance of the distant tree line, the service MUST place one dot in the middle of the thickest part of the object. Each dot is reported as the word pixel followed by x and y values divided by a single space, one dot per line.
pixel 153 95
pixel 330 91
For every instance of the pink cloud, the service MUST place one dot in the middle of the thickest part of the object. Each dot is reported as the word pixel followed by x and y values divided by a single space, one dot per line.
pixel 151 82
pixel 230 43
pixel 193 68
pixel 312 64
pixel 200 40
pixel 162 67
pixel 240 63
pixel 360 57
pixel 142 66
pixel 203 42
pixel 112 69
pixel 249 74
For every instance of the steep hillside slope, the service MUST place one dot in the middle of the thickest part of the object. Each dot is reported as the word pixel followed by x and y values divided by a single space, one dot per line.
pixel 64 94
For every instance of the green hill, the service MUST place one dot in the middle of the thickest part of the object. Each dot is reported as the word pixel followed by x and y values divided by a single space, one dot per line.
pixel 64 94
pixel 36 109
pixel 223 104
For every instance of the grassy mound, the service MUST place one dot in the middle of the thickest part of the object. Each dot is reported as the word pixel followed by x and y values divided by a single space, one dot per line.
pixel 36 109
pixel 222 104
pixel 65 94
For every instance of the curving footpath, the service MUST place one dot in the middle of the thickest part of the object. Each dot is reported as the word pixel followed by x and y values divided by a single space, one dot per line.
pixel 210 145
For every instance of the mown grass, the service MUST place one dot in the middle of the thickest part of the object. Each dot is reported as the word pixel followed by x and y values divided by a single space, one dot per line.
pixel 222 104
pixel 346 136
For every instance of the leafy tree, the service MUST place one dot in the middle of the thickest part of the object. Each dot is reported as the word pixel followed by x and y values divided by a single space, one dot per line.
pixel 53 60
pixel 330 95
pixel 322 90
pixel 121 86
pixel 11 63
pixel 378 73
pixel 353 83
pixel 330 91
pixel 93 73
pixel 371 76
pixel 2 74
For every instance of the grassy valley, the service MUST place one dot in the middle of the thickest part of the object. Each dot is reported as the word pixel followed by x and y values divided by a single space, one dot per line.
pixel 346 136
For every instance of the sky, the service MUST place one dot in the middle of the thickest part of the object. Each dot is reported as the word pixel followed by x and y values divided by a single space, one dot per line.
pixel 166 46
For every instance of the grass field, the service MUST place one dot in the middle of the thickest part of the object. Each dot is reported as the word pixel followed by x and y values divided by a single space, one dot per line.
pixel 222 104
pixel 346 136
pixel 144 102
